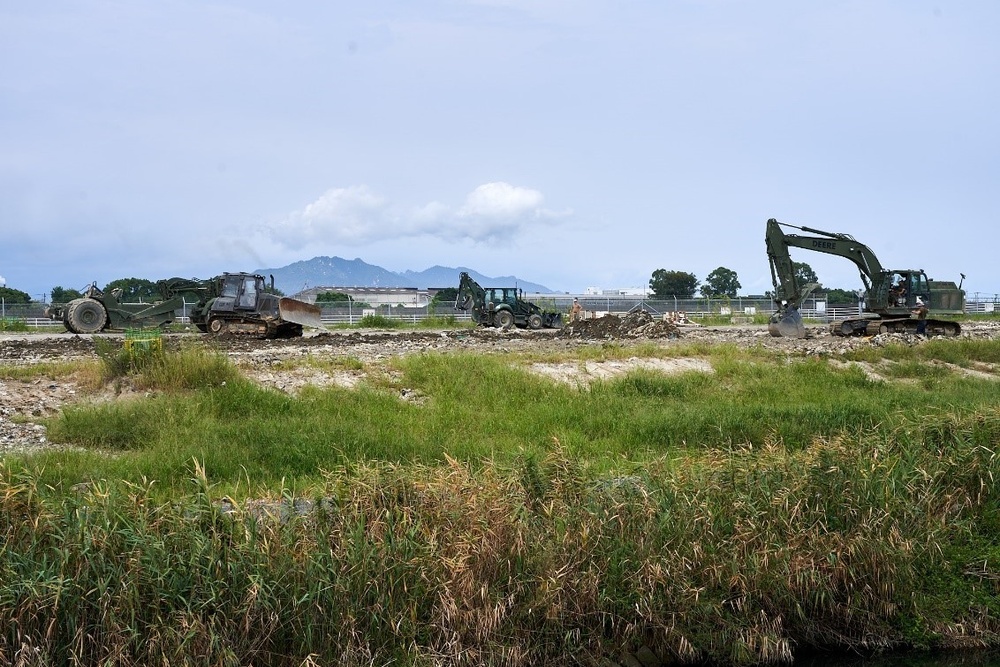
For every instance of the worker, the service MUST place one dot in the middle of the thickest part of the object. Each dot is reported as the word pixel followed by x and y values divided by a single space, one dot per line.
pixel 921 312
pixel 576 312
pixel 897 294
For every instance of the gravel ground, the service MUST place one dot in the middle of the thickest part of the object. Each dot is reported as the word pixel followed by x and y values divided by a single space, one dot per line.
pixel 23 403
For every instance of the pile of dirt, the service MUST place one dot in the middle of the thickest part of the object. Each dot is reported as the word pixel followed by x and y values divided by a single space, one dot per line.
pixel 26 350
pixel 637 324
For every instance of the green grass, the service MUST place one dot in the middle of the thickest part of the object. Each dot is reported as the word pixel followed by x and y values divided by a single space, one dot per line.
pixel 476 407
pixel 13 324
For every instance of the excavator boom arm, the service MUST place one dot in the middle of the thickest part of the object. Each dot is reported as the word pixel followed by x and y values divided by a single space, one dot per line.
pixel 786 285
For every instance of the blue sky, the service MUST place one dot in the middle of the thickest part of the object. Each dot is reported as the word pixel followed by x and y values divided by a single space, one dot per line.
pixel 573 144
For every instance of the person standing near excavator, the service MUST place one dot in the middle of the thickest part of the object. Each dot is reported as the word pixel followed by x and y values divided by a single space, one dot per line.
pixel 921 312
pixel 576 312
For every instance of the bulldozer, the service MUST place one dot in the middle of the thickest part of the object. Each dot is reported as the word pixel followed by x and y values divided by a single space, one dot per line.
pixel 502 307
pixel 891 296
pixel 229 303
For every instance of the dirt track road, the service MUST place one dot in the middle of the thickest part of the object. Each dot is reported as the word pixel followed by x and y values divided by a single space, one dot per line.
pixel 22 402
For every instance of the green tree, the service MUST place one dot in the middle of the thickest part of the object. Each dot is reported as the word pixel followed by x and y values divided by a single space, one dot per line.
pixel 11 295
pixel 332 297
pixel 673 283
pixel 804 273
pixel 446 295
pixel 721 282
pixel 62 295
pixel 841 296
pixel 134 289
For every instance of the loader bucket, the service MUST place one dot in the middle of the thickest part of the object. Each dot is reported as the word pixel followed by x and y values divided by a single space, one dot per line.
pixel 300 312
pixel 788 325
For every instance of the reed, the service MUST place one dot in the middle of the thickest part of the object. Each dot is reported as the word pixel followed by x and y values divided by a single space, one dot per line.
pixel 743 556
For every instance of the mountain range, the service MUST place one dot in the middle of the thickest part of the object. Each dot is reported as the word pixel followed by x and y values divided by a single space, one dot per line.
pixel 340 272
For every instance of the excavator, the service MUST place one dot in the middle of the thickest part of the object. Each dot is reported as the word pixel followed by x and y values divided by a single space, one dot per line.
pixel 890 296
pixel 228 303
pixel 502 307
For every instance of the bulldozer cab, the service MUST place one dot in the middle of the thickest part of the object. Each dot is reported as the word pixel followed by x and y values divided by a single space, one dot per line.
pixel 248 292
pixel 240 290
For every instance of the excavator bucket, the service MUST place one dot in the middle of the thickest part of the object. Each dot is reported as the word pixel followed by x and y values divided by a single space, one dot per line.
pixel 300 312
pixel 788 325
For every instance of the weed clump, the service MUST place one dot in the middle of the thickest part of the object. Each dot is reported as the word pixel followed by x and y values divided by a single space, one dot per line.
pixel 13 324
pixel 379 322
pixel 189 368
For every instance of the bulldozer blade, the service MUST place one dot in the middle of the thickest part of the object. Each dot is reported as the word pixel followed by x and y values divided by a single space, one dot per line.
pixel 788 325
pixel 300 312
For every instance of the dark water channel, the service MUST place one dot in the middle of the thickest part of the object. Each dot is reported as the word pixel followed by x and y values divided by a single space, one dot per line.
pixel 951 659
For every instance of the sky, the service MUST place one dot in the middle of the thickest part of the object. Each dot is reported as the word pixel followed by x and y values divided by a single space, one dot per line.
pixel 578 145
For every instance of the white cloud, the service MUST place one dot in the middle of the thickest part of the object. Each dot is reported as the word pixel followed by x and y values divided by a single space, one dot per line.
pixel 356 216
pixel 500 201
pixel 431 213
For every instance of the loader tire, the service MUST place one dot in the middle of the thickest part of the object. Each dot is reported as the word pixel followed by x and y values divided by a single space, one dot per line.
pixel 534 321
pixel 85 316
pixel 504 319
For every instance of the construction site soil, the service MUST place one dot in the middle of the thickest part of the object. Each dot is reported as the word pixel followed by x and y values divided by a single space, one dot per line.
pixel 24 403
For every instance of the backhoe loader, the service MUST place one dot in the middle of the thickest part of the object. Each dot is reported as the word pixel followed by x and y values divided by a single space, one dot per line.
pixel 502 306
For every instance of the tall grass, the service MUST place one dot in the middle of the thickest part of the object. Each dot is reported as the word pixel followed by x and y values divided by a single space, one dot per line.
pixel 738 556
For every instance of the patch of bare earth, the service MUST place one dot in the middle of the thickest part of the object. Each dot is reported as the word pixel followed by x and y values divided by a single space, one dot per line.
pixel 582 373
pixel 21 402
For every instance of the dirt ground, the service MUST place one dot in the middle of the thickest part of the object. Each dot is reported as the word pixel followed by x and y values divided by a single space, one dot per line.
pixel 24 402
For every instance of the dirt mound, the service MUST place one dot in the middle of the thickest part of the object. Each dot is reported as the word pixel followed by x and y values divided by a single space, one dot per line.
pixel 29 350
pixel 637 324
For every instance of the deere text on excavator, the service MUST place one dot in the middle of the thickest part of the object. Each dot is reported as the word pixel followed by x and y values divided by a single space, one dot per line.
pixel 502 306
pixel 229 303
pixel 890 298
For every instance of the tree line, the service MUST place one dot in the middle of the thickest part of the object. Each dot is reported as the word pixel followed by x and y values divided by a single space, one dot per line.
pixel 724 282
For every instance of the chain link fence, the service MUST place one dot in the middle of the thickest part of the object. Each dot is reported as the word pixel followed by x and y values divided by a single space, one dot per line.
pixel 735 310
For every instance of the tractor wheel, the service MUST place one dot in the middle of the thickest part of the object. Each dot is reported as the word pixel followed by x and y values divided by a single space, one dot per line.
pixel 85 316
pixel 504 319
pixel 217 325
pixel 534 321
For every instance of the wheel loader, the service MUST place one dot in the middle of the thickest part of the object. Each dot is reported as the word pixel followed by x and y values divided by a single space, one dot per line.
pixel 502 307
pixel 891 299
pixel 229 303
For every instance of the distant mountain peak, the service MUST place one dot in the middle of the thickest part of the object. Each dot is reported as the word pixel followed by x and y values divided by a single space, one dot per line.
pixel 326 271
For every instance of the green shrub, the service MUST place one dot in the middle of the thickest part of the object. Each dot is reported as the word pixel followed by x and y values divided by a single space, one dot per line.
pixel 13 324
pixel 379 322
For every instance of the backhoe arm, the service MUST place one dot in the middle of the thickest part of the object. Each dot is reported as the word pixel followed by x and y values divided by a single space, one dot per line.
pixel 173 287
pixel 470 295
